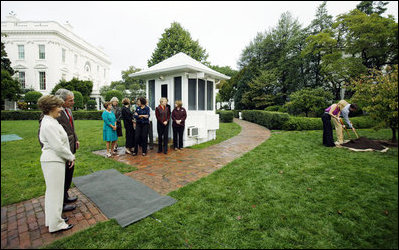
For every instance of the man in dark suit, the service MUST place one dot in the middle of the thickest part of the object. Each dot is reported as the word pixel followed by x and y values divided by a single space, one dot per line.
pixel 67 122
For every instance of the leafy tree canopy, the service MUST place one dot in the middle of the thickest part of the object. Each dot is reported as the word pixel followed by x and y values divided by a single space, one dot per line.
pixel 84 87
pixel 377 94
pixel 174 40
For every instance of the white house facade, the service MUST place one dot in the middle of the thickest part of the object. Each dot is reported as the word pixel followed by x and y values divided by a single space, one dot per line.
pixel 180 77
pixel 44 52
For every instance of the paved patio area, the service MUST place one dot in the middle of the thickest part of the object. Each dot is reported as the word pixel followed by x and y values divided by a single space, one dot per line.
pixel 22 224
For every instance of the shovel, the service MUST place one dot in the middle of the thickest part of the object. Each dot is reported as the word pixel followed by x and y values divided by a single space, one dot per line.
pixel 346 130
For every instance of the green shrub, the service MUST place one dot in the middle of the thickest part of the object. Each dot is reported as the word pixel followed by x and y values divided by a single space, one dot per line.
pixel 225 115
pixel 236 113
pixel 20 115
pixel 34 115
pixel 283 109
pixel 273 108
pixel 282 121
pixel 363 122
pixel 91 105
pixel 78 100
pixel 303 123
pixel 118 94
pixel 87 115
pixel 271 120
pixel 31 98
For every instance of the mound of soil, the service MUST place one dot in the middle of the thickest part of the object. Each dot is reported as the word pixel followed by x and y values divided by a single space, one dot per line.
pixel 364 143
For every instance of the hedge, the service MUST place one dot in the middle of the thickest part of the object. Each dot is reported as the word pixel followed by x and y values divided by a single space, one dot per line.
pixel 225 115
pixel 283 121
pixel 271 120
pixel 236 113
pixel 34 115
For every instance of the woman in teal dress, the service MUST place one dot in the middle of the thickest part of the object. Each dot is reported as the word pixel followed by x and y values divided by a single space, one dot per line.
pixel 109 128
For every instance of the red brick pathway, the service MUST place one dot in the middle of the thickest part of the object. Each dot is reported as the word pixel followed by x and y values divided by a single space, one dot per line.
pixel 22 224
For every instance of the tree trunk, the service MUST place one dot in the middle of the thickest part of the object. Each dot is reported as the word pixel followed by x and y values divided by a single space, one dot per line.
pixel 393 135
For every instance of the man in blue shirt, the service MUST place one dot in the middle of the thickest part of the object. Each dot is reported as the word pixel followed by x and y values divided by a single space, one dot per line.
pixel 345 113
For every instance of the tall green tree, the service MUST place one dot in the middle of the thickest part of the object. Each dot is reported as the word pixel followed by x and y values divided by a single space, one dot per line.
pixel 136 87
pixel 372 37
pixel 312 54
pixel 370 7
pixel 377 94
pixel 10 87
pixel 309 101
pixel 5 61
pixel 84 87
pixel 263 91
pixel 176 39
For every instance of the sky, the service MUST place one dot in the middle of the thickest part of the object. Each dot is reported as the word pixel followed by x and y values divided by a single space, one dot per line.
pixel 129 31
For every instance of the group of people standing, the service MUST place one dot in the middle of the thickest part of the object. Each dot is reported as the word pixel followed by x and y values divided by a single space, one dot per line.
pixel 138 125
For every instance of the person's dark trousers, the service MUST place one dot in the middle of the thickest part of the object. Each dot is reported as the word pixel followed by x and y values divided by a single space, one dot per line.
pixel 150 135
pixel 141 134
pixel 178 137
pixel 162 137
pixel 328 139
pixel 129 136
pixel 68 180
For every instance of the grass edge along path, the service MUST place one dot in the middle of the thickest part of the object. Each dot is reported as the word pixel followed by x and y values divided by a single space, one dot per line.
pixel 21 174
pixel 289 192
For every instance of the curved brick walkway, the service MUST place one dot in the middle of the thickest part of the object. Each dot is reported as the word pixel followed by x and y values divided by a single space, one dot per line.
pixel 22 224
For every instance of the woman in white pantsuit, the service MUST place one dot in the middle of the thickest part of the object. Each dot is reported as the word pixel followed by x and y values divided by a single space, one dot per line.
pixel 55 153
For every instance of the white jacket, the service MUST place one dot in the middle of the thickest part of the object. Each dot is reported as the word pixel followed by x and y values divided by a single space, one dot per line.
pixel 55 141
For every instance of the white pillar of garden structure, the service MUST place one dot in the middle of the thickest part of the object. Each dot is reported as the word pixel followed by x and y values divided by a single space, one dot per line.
pixel 181 77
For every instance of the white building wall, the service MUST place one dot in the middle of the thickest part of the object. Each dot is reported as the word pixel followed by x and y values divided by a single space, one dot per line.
pixel 55 37
pixel 207 121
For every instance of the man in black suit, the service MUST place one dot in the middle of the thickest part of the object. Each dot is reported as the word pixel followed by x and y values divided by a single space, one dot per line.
pixel 67 122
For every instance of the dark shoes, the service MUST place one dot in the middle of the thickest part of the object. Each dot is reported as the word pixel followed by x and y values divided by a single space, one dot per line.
pixel 66 219
pixel 69 227
pixel 67 208
pixel 70 199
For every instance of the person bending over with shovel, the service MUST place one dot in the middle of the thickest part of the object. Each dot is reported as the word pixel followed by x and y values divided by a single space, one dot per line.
pixel 334 111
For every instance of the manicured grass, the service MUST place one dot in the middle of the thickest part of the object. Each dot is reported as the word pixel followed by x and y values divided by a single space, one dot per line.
pixel 289 192
pixel 225 131
pixel 21 173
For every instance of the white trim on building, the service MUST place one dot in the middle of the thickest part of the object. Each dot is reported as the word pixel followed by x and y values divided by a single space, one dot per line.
pixel 64 55
pixel 182 77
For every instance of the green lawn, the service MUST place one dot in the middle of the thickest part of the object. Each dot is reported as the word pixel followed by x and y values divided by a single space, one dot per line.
pixel 21 174
pixel 225 131
pixel 289 192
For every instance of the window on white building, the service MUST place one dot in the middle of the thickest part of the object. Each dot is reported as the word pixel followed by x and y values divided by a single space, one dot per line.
pixel 104 73
pixel 76 59
pixel 21 78
pixel 151 93
pixel 63 55
pixel 192 94
pixel 42 52
pixel 42 80
pixel 209 95
pixel 21 52
pixel 177 82
pixel 63 77
pixel 98 69
pixel 201 94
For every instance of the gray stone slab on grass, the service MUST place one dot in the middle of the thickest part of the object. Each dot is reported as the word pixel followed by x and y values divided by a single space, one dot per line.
pixel 121 197
pixel 12 137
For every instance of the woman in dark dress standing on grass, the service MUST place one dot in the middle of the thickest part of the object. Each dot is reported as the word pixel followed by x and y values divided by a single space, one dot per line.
pixel 141 115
